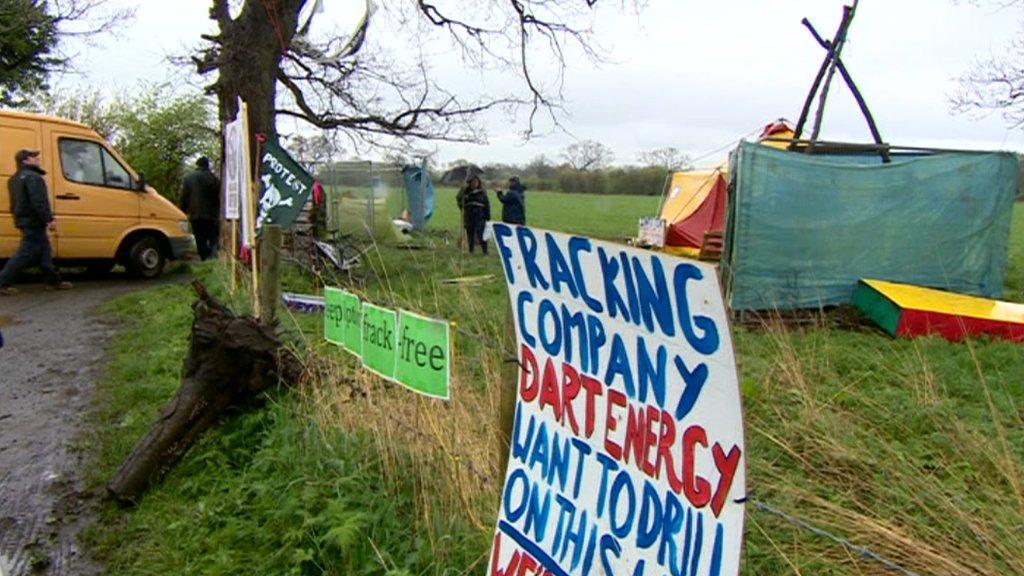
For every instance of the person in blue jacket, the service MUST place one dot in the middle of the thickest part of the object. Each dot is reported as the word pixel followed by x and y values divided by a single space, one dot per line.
pixel 513 209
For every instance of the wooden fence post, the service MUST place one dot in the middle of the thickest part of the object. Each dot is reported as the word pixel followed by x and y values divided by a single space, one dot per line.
pixel 507 399
pixel 270 267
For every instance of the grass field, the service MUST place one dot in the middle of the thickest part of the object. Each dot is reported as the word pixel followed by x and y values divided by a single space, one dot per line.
pixel 911 448
pixel 599 216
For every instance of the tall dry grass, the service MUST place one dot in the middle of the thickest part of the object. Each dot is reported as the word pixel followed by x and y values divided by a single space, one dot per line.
pixel 911 449
pixel 872 443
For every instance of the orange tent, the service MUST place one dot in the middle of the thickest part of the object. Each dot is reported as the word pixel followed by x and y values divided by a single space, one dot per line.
pixel 695 202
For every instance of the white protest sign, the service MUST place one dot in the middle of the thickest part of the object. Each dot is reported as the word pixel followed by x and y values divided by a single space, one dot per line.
pixel 627 453
pixel 236 176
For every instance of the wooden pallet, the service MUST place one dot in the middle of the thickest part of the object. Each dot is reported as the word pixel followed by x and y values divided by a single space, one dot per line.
pixel 711 247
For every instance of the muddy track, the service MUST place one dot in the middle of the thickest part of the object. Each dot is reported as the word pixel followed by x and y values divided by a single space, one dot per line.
pixel 55 350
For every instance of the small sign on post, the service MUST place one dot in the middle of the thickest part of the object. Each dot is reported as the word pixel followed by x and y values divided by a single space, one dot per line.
pixel 334 325
pixel 352 317
pixel 424 358
pixel 379 329
pixel 652 233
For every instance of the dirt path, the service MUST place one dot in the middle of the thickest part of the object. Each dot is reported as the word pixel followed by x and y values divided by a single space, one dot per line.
pixel 55 349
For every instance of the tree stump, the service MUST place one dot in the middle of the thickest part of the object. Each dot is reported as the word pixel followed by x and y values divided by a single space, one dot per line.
pixel 231 359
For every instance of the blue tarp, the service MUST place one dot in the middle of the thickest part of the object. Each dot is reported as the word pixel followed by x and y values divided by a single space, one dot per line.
pixel 420 200
pixel 803 229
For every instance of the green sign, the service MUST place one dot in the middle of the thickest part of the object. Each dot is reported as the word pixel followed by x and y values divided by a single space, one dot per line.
pixel 424 355
pixel 284 188
pixel 379 330
pixel 352 323
pixel 333 315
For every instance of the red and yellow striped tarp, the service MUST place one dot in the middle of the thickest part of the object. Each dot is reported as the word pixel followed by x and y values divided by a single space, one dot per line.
pixel 907 310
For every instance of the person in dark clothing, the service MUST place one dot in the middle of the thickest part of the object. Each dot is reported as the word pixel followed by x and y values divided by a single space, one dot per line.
pixel 513 202
pixel 30 205
pixel 200 199
pixel 476 211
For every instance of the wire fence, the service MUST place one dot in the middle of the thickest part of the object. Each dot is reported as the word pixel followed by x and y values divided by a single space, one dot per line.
pixel 510 356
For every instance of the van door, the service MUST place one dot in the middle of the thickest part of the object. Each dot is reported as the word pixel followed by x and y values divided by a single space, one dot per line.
pixel 15 134
pixel 94 200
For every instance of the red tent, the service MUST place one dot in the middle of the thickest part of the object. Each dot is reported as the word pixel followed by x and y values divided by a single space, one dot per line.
pixel 686 231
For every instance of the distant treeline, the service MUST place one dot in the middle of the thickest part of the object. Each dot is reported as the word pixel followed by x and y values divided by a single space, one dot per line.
pixel 625 181
pixel 629 180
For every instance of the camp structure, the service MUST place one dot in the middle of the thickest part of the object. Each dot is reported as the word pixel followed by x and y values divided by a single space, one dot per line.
pixel 419 195
pixel 806 223
pixel 903 310
pixel 803 229
pixel 694 205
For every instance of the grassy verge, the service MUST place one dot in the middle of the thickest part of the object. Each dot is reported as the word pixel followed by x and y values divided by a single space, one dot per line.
pixel 914 449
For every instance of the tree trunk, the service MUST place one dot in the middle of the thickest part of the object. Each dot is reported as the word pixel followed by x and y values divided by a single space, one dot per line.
pixel 253 45
pixel 231 359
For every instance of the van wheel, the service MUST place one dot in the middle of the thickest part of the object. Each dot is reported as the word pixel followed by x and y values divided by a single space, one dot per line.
pixel 145 259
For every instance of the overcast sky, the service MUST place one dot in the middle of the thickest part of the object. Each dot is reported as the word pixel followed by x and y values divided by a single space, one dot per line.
pixel 692 75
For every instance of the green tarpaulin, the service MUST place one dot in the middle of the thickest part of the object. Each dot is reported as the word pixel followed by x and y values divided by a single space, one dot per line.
pixel 803 229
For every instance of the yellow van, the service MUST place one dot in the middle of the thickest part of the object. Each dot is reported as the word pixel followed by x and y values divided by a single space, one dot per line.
pixel 105 212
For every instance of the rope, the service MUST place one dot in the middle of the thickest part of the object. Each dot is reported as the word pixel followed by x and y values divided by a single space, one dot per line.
pixel 487 479
pixel 729 145
pixel 270 6
pixel 859 550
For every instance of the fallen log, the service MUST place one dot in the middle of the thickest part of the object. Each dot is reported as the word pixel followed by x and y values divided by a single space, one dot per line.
pixel 231 359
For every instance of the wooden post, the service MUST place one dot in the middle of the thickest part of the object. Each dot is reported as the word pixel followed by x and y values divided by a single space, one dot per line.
pixel 840 33
pixel 857 96
pixel 233 257
pixel 837 47
pixel 252 204
pixel 270 267
pixel 507 402
pixel 420 216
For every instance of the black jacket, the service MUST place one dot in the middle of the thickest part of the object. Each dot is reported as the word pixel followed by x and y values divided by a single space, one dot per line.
pixel 200 195
pixel 476 207
pixel 513 209
pixel 30 201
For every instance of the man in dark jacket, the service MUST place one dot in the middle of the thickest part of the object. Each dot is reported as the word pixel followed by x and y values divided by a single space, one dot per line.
pixel 476 211
pixel 30 205
pixel 513 202
pixel 200 199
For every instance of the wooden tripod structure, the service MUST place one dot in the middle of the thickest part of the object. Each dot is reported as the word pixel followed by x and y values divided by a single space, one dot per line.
pixel 829 66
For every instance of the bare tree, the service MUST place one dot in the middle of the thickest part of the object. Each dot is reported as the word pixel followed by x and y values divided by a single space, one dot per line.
pixel 347 81
pixel 540 167
pixel 669 158
pixel 313 151
pixel 587 155
pixel 995 84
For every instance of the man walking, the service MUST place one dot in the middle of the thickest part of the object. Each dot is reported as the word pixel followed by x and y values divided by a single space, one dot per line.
pixel 30 205
pixel 200 199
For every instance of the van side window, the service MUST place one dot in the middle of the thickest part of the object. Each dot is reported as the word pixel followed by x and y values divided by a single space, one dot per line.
pixel 87 162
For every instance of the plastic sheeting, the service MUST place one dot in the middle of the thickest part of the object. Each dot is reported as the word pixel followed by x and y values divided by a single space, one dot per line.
pixel 420 199
pixel 803 229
